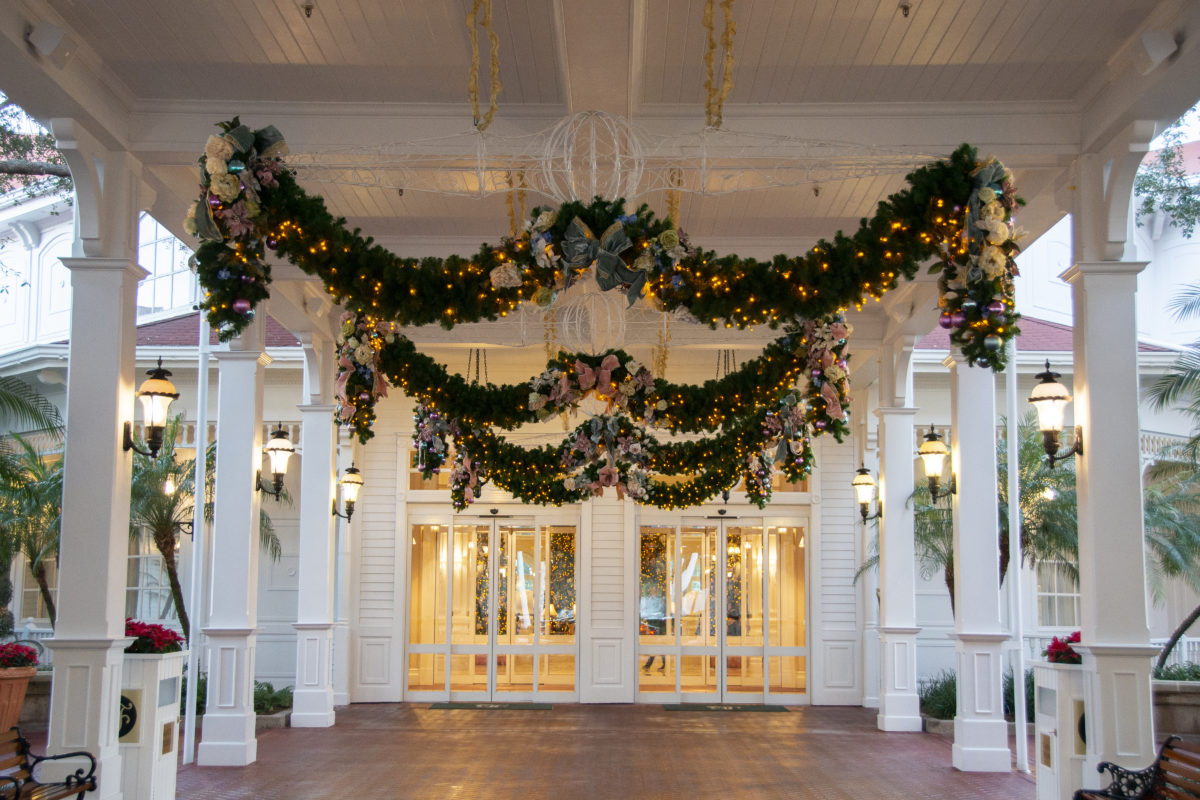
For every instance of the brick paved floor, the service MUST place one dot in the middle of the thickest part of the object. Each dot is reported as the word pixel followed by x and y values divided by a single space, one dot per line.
pixel 591 751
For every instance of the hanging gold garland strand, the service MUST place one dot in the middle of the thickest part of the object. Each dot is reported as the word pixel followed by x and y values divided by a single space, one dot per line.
pixel 480 16
pixel 715 96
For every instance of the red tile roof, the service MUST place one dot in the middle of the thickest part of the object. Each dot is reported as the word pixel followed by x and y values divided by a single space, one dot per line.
pixel 1036 334
pixel 184 331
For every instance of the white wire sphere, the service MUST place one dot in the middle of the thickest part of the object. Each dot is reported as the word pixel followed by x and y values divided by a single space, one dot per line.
pixel 592 153
pixel 588 320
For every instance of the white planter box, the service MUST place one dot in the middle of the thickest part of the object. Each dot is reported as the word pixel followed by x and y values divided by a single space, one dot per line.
pixel 150 684
pixel 1059 746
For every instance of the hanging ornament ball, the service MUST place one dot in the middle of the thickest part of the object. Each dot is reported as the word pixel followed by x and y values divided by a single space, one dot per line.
pixel 816 373
pixel 241 306
pixel 957 319
pixel 995 307
pixel 945 321
pixel 992 342
pixel 272 242
pixel 214 201
pixel 969 305
pixel 820 424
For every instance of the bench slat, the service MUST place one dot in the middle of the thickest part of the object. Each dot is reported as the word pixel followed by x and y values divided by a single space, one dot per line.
pixel 1189 757
pixel 1171 794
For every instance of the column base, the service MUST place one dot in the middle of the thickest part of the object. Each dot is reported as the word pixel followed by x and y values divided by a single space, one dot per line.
pixel 228 735
pixel 1119 706
pixel 980 730
pixel 312 700
pixel 899 703
pixel 84 691
pixel 340 666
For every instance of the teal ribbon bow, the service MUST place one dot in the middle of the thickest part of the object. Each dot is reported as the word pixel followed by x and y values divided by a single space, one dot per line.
pixel 582 249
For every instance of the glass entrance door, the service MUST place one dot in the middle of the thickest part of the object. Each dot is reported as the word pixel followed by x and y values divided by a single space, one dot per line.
pixel 721 612
pixel 508 618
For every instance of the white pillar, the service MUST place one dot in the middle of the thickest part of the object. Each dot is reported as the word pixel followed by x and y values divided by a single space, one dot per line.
pixel 980 730
pixel 312 703
pixel 228 730
pixel 1115 631
pixel 899 704
pixel 89 637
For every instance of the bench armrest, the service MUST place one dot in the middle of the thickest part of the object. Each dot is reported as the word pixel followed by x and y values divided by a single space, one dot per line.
pixel 78 778
pixel 1126 784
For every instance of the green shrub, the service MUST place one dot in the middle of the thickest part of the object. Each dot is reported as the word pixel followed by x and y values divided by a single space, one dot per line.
pixel 1186 671
pixel 201 694
pixel 268 700
pixel 1009 708
pixel 938 695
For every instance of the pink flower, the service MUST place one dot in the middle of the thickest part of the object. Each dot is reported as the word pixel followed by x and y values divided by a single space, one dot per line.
pixel 827 359
pixel 561 391
pixel 837 330
pixel 833 406
pixel 608 476
pixel 587 376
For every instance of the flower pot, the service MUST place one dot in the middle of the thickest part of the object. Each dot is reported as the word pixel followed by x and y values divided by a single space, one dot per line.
pixel 13 683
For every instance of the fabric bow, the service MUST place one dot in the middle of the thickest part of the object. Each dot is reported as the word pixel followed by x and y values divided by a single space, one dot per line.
pixel 582 249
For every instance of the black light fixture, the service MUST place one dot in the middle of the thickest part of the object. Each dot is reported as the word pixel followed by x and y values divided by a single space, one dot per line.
pixel 933 454
pixel 351 483
pixel 156 394
pixel 278 449
pixel 1050 398
pixel 864 492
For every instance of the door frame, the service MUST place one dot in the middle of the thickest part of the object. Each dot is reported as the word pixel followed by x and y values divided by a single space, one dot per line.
pixel 771 517
pixel 440 515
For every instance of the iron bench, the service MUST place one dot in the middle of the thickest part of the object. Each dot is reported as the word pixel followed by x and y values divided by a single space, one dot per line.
pixel 17 767
pixel 1175 775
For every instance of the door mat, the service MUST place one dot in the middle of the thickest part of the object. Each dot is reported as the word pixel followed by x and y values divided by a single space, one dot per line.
pixel 494 706
pixel 719 707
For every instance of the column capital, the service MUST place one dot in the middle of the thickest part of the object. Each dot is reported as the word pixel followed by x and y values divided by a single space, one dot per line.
pixel 896 411
pixel 1084 269
pixel 316 408
pixel 99 264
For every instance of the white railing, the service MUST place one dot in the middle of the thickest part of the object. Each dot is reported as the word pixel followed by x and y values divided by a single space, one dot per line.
pixel 30 631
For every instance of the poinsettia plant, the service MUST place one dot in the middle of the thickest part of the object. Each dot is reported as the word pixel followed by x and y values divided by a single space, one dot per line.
pixel 152 638
pixel 1059 651
pixel 17 655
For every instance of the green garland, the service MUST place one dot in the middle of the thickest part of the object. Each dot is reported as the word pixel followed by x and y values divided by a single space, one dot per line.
pixel 958 211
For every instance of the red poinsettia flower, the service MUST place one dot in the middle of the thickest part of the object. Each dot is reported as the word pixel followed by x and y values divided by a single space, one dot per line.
pixel 1059 651
pixel 152 638
pixel 17 655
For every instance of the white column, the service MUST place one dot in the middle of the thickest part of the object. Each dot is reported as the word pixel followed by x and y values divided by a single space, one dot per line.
pixel 899 704
pixel 89 637
pixel 228 731
pixel 312 704
pixel 980 730
pixel 1115 631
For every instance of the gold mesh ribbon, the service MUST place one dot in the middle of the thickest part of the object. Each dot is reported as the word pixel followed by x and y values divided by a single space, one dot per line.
pixel 480 16
pixel 715 95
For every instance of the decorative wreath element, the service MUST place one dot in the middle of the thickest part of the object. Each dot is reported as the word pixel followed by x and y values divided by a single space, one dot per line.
pixel 752 421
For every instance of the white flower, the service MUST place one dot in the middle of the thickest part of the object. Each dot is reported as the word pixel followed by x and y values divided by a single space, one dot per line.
pixel 363 354
pixel 351 342
pixel 987 195
pixel 227 187
pixel 569 484
pixel 506 276
pixel 217 148
pixel 216 166
pixel 633 366
pixel 643 262
pixel 992 210
pixel 993 261
pixel 835 373
pixel 545 220
pixel 545 257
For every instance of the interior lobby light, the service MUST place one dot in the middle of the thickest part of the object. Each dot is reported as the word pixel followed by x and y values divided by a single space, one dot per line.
pixel 156 394
pixel 351 483
pixel 279 449
pixel 933 452
pixel 1050 398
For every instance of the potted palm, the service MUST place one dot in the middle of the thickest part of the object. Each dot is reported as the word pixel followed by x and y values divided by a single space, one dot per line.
pixel 18 663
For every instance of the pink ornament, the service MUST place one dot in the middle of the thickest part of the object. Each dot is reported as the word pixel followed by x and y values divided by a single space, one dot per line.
pixel 945 321
pixel 957 319
pixel 995 307
pixel 241 306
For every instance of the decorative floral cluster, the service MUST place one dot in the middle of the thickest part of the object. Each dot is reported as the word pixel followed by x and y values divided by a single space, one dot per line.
pixel 467 478
pixel 756 478
pixel 431 430
pixel 607 451
pixel 629 386
pixel 236 168
pixel 151 638
pixel 360 382
pixel 828 395
pixel 17 655
pixel 788 429
pixel 976 288
pixel 1059 651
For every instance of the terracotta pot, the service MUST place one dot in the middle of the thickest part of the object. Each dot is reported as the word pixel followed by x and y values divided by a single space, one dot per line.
pixel 13 683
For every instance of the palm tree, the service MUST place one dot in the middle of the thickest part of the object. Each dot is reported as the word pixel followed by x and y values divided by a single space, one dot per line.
pixel 165 515
pixel 21 405
pixel 31 511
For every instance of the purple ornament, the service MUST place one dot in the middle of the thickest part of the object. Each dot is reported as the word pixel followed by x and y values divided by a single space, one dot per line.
pixel 364 396
pixel 995 307
pixel 945 321
pixel 214 201
pixel 241 306
pixel 272 242
pixel 816 373
pixel 957 319
pixel 820 424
